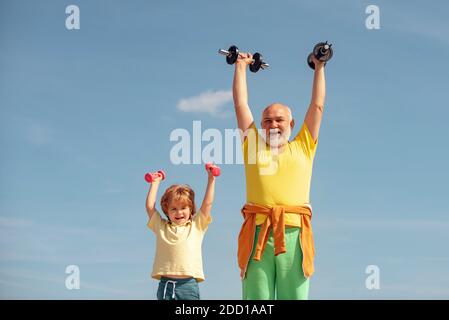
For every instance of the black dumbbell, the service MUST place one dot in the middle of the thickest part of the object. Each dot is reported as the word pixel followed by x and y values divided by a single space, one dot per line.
pixel 322 52
pixel 233 52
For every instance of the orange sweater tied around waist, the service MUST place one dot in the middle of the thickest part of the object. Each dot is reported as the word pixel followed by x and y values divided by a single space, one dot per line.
pixel 275 220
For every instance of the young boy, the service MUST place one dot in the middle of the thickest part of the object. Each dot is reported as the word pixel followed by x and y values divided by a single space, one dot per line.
pixel 178 260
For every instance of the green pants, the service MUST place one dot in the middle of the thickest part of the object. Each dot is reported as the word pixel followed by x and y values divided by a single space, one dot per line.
pixel 277 277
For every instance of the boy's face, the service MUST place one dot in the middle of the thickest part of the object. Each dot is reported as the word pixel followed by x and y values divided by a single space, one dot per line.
pixel 178 211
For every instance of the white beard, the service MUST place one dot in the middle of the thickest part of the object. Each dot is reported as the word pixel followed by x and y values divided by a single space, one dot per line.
pixel 276 140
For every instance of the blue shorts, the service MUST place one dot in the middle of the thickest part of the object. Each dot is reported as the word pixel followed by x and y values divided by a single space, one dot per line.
pixel 178 289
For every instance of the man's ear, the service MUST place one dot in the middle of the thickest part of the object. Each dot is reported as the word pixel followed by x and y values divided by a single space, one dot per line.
pixel 292 123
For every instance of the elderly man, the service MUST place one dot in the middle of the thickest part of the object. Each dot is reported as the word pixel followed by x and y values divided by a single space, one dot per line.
pixel 275 247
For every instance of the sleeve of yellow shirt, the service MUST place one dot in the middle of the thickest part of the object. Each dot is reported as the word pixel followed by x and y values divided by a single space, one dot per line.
pixel 200 221
pixel 306 141
pixel 155 221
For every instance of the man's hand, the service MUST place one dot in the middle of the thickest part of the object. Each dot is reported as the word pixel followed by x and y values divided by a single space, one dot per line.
pixel 244 59
pixel 318 64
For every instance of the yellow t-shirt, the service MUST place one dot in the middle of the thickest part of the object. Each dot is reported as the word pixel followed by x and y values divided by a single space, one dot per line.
pixel 282 179
pixel 178 247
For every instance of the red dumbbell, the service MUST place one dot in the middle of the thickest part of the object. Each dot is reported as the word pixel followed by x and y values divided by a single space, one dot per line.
pixel 213 168
pixel 149 177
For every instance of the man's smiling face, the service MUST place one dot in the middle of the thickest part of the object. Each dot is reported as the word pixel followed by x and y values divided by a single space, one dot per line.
pixel 278 122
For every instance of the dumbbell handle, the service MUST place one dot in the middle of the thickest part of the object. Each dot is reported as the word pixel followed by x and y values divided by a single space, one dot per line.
pixel 224 52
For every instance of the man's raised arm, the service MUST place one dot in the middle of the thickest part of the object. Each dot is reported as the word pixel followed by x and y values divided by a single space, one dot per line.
pixel 315 112
pixel 240 92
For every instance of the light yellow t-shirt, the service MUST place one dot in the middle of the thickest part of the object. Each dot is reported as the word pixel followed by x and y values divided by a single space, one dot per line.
pixel 282 179
pixel 178 247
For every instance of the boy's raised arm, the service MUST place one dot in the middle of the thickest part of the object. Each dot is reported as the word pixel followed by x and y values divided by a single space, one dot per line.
pixel 151 197
pixel 206 206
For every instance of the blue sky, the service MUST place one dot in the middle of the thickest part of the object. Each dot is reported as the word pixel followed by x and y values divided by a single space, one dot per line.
pixel 85 113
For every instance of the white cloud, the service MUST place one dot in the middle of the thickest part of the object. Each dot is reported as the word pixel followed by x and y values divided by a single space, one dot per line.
pixel 211 102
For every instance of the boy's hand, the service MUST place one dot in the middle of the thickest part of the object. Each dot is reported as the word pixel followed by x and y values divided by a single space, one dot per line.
pixel 210 176
pixel 244 58
pixel 157 180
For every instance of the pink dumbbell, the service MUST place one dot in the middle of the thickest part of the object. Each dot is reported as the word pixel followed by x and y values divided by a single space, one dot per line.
pixel 149 177
pixel 213 168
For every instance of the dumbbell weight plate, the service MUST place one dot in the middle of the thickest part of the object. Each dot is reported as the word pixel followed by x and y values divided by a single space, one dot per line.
pixel 234 53
pixel 216 171
pixel 322 57
pixel 162 174
pixel 310 61
pixel 255 66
